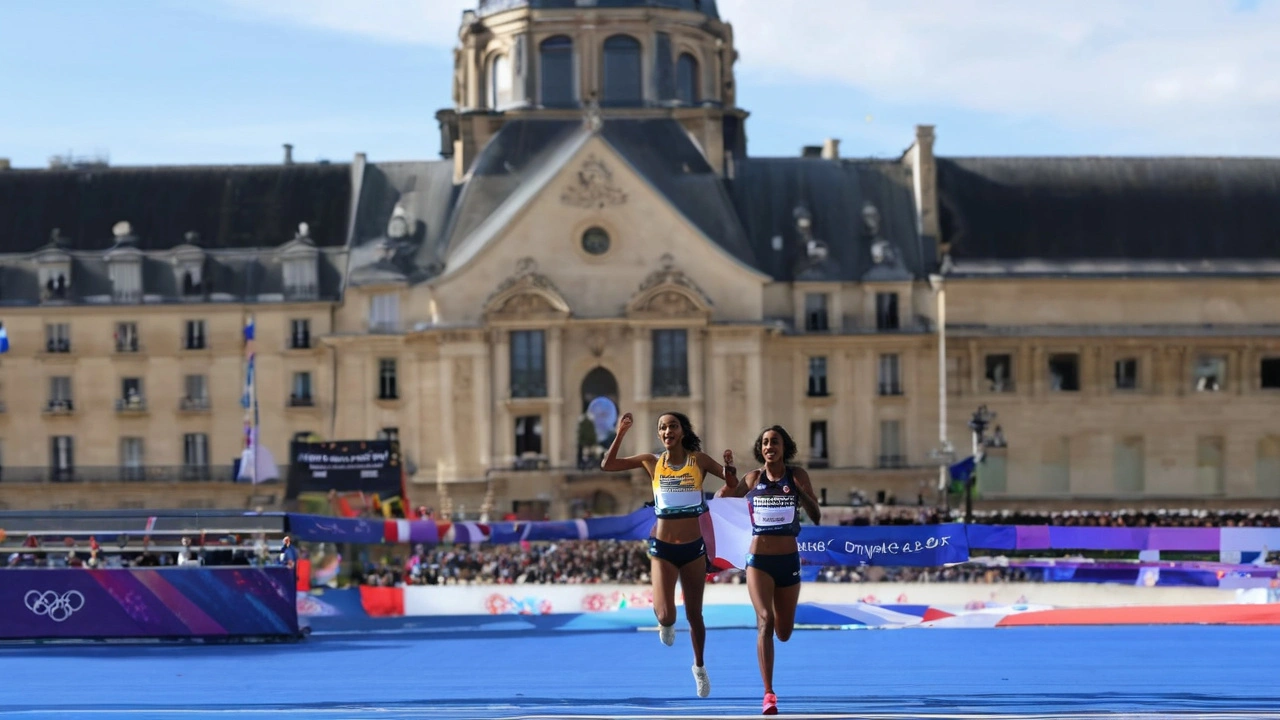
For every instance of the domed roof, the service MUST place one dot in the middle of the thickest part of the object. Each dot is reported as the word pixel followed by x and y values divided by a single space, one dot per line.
pixel 706 7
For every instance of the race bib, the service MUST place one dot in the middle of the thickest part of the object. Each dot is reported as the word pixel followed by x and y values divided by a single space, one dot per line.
pixel 676 493
pixel 773 510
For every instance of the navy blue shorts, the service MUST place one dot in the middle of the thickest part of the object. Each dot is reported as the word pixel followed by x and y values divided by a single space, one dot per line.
pixel 784 569
pixel 678 554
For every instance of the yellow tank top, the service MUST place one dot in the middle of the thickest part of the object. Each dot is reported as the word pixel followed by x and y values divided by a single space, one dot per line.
pixel 677 492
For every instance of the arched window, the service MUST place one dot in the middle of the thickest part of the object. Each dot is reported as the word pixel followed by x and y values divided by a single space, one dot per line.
pixel 555 72
pixel 623 71
pixel 687 80
pixel 499 82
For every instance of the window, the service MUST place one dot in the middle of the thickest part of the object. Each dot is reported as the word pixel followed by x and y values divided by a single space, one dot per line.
pixel 1127 374
pixel 195 337
pixel 528 364
pixel 54 280
pixel 126 280
pixel 555 72
pixel 300 334
pixel 818 444
pixel 127 337
pixel 58 337
pixel 1270 372
pixel 1129 465
pixel 60 393
pixel 890 375
pixel 1209 465
pixel 887 311
pixel 193 277
pixel 687 80
pixel 387 389
pixel 384 312
pixel 815 312
pixel 1064 372
pixel 1268 467
pixel 817 377
pixel 623 71
pixel 131 458
pixel 131 397
pixel 499 82
pixel 62 457
pixel 891 446
pixel 301 395
pixel 670 363
pixel 300 277
pixel 390 434
pixel 528 436
pixel 197 393
pixel 1211 373
pixel 1055 466
pixel 195 451
pixel 999 372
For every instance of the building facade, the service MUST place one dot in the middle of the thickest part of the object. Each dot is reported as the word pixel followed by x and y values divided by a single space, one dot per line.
pixel 596 239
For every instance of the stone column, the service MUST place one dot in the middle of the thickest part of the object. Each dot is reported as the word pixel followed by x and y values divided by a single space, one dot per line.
pixel 483 403
pixel 555 397
pixel 500 354
pixel 447 462
pixel 642 431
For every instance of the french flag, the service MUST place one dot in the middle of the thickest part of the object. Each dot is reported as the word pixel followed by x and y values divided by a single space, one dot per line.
pixel 726 529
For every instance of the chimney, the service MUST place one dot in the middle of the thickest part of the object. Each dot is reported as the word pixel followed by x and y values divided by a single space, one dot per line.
pixel 831 149
pixel 4 164
pixel 288 154
pixel 811 151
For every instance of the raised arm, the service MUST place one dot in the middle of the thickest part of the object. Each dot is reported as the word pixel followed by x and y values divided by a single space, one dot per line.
pixel 727 472
pixel 740 490
pixel 612 463
pixel 807 498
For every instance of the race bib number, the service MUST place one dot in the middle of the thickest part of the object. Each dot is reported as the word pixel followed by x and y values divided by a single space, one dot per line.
pixel 773 510
pixel 677 492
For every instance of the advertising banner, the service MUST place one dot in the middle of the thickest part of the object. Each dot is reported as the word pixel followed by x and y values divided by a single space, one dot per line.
pixel 180 602
pixel 369 466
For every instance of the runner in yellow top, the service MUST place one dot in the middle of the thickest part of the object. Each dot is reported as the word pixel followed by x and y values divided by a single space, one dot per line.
pixel 676 547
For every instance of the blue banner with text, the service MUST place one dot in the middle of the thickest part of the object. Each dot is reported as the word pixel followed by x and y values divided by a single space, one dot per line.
pixel 915 545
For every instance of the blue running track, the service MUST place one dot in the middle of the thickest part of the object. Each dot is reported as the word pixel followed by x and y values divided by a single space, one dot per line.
pixel 490 672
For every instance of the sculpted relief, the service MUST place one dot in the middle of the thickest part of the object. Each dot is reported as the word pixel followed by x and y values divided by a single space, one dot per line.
pixel 594 187
pixel 671 303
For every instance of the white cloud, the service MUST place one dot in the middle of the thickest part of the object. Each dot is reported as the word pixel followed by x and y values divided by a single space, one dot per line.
pixel 1188 71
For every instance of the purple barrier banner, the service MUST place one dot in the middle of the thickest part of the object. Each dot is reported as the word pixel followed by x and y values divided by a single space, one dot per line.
pixel 1063 537
pixel 171 603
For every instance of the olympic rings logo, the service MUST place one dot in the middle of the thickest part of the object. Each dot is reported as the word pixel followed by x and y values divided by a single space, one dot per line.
pixel 56 607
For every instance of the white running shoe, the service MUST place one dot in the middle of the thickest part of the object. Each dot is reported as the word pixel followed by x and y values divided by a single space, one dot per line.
pixel 704 682
pixel 667 634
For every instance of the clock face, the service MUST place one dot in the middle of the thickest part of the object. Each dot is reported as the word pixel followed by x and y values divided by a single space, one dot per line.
pixel 595 241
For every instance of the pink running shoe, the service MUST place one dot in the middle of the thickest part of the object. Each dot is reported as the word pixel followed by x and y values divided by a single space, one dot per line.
pixel 770 704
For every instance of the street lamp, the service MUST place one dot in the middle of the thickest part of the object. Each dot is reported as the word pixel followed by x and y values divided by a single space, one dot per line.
pixel 979 423
pixel 944 453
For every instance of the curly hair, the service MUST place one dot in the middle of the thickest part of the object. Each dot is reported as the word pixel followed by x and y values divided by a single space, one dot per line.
pixel 689 440
pixel 789 448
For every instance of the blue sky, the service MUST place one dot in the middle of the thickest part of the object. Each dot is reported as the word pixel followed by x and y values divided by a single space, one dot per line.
pixel 228 81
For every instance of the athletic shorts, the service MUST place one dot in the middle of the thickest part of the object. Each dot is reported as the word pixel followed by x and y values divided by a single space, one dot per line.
pixel 678 554
pixel 784 569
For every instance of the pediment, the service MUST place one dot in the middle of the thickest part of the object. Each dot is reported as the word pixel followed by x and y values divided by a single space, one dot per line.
pixel 669 292
pixel 526 295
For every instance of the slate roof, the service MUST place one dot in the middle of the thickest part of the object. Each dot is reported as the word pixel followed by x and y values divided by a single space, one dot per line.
pixel 1093 208
pixel 767 192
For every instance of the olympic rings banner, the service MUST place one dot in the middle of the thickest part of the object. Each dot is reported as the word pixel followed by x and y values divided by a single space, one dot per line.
pixel 179 602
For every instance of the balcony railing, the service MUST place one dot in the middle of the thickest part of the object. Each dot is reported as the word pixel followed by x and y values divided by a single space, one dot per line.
pixel 893 461
pixel 98 474
pixel 59 407
pixel 192 404
pixel 127 345
pixel 816 461
pixel 890 388
pixel 58 345
pixel 301 401
pixel 131 404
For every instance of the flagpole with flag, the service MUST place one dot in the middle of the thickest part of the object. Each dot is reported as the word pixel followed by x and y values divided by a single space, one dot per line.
pixel 4 339
pixel 256 463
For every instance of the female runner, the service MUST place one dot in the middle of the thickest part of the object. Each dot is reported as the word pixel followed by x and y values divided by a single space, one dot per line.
pixel 676 547
pixel 774 494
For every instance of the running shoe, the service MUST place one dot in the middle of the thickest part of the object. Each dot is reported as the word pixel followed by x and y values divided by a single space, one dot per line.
pixel 667 634
pixel 770 704
pixel 704 682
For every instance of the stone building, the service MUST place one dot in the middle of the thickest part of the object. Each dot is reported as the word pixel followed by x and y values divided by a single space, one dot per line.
pixel 597 239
